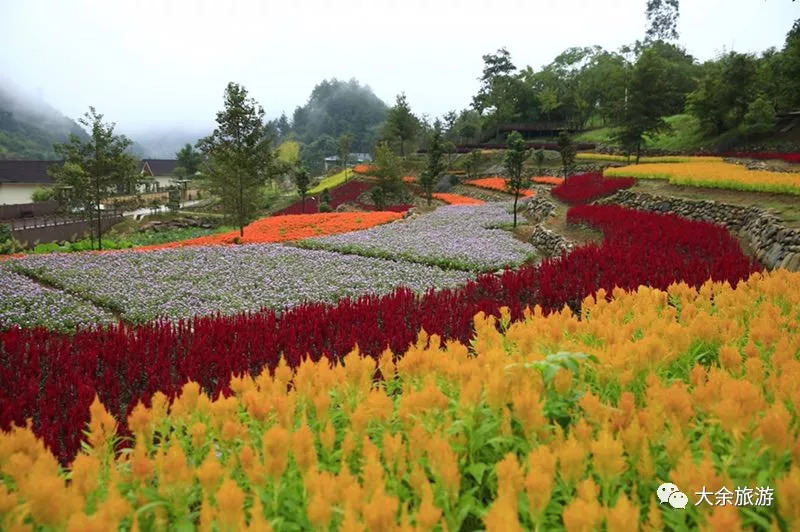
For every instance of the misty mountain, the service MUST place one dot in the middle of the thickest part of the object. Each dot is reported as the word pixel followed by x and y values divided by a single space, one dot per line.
pixel 163 143
pixel 29 127
pixel 336 107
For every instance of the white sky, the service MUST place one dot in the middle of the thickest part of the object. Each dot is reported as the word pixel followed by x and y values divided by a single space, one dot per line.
pixel 153 64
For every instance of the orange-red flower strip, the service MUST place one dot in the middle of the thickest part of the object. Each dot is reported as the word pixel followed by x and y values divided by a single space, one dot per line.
pixel 457 199
pixel 291 227
pixel 409 179
pixel 547 180
pixel 498 184
pixel 363 168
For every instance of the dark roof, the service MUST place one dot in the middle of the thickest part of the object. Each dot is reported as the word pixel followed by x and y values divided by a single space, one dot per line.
pixel 160 166
pixel 27 172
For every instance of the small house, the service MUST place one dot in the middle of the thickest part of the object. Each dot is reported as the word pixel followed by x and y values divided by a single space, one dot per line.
pixel 18 180
pixel 157 174
pixel 352 159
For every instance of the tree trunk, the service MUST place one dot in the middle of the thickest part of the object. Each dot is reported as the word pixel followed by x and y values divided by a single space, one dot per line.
pixel 241 206
pixel 303 199
pixel 99 222
pixel 516 197
pixel 638 150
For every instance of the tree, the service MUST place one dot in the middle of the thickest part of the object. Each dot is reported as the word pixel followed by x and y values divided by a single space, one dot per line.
pixel 759 118
pixel 473 163
pixel 451 150
pixel 344 152
pixel 302 180
pixel 646 104
pixel 497 71
pixel 94 168
pixel 189 160
pixel 514 158
pixel 662 17
pixel 240 155
pixel 567 149
pixel 538 156
pixel 387 170
pixel 401 124
pixel 435 167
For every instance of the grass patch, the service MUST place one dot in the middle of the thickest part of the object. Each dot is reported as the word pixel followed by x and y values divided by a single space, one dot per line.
pixel 332 181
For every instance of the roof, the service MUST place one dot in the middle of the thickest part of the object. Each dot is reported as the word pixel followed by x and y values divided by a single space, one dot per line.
pixel 26 172
pixel 352 157
pixel 159 166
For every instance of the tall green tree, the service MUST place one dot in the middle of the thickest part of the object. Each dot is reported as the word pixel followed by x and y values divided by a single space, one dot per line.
pixel 94 169
pixel 662 19
pixel 473 163
pixel 435 167
pixel 240 156
pixel 515 157
pixel 401 124
pixel 189 160
pixel 302 181
pixel 538 156
pixel 344 152
pixel 388 172
pixel 759 118
pixel 646 104
pixel 567 149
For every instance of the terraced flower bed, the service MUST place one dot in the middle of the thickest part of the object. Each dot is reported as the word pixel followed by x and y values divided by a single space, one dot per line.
pixel 457 199
pixel 182 283
pixel 714 175
pixel 340 195
pixel 451 237
pixel 283 228
pixel 51 378
pixel 584 188
pixel 27 303
pixel 499 184
pixel 653 159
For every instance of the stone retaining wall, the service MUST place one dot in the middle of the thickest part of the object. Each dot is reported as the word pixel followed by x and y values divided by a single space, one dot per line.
pixel 774 245
pixel 549 243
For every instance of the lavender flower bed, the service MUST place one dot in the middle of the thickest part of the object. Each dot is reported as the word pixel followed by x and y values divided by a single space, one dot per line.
pixel 26 303
pixel 455 236
pixel 180 283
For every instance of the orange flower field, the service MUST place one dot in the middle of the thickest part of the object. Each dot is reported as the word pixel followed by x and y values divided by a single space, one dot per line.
pixel 457 199
pixel 497 184
pixel 547 180
pixel 291 227
pixel 409 179
pixel 551 422
pixel 363 168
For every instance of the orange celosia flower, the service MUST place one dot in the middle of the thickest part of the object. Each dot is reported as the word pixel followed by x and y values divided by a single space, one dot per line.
pixel 498 184
pixel 290 227
pixel 548 180
pixel 582 516
pixel 275 444
pixel 457 199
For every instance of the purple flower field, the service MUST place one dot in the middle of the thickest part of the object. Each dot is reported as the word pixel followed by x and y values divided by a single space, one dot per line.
pixel 454 236
pixel 26 303
pixel 180 283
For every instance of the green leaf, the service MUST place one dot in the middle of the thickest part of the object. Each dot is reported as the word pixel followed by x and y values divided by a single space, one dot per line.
pixel 477 470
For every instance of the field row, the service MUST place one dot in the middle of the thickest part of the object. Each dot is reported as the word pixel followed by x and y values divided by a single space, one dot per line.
pixel 714 175
pixel 52 377
pixel 183 283
pixel 464 237
pixel 695 386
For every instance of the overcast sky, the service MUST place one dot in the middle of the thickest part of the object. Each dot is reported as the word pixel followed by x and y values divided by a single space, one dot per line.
pixel 164 63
